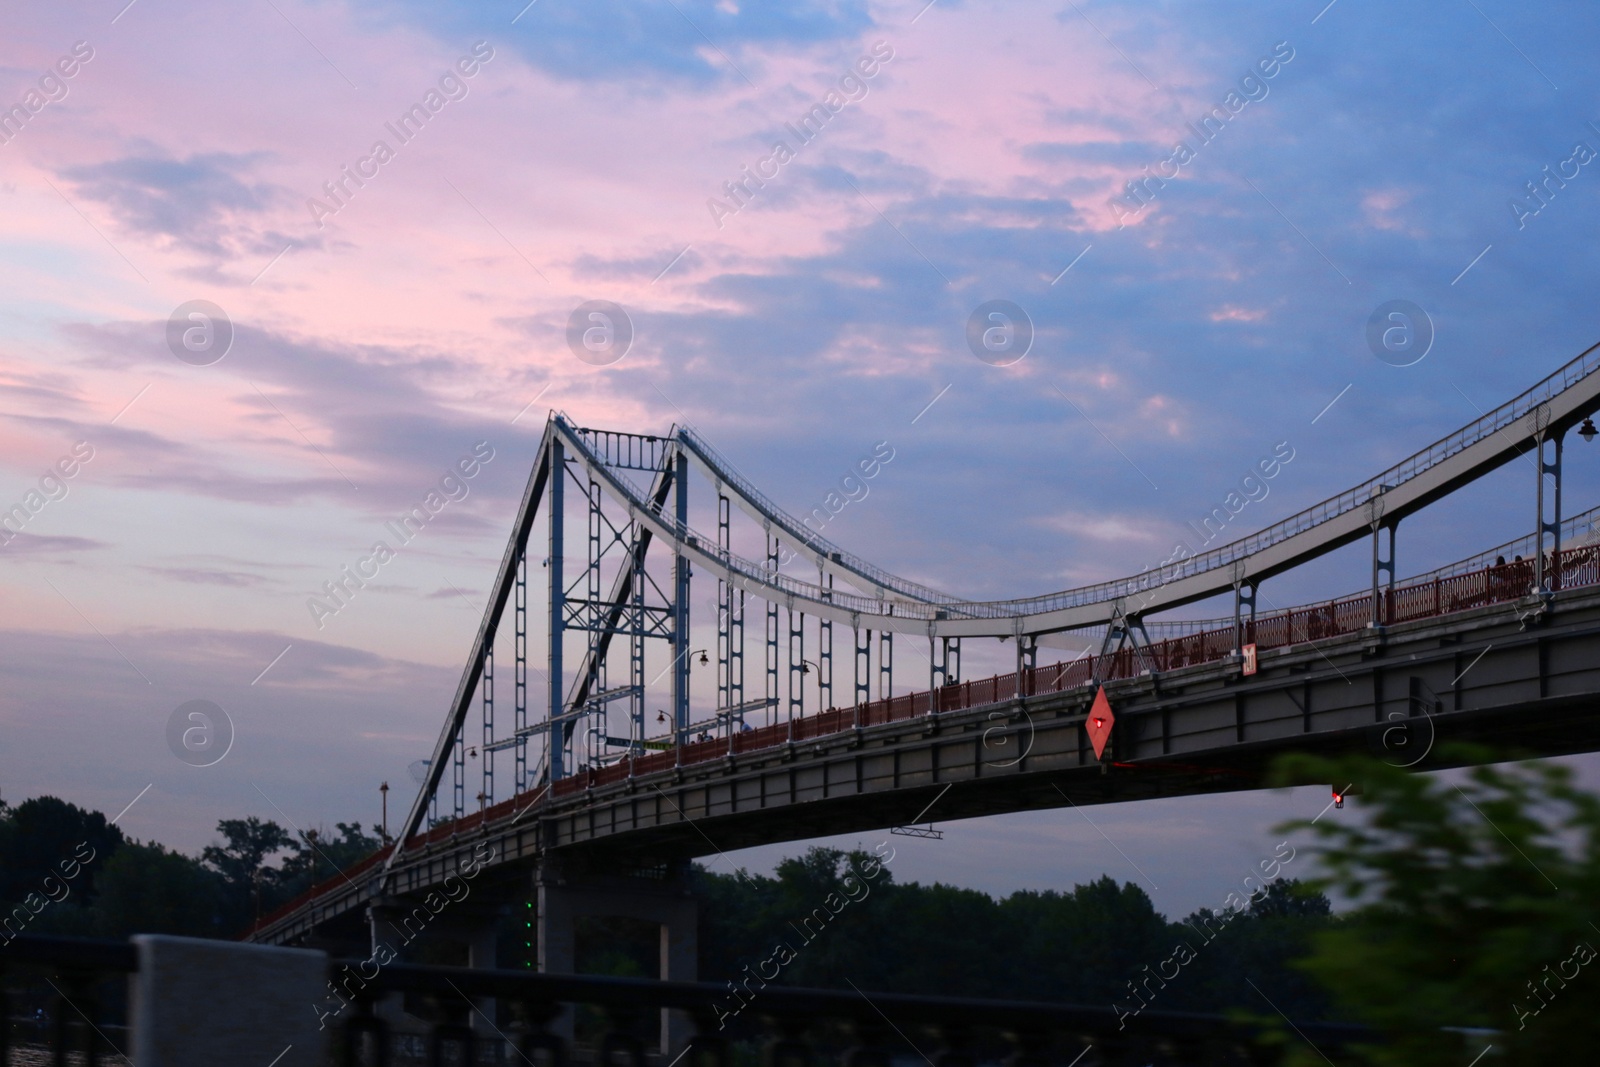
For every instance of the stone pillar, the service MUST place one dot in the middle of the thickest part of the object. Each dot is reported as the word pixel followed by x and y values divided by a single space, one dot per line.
pixel 382 915
pixel 481 956
pixel 198 1003
pixel 557 932
pixel 680 962
pixel 566 895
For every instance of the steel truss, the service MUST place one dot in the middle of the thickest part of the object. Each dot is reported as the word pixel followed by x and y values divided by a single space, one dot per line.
pixel 641 552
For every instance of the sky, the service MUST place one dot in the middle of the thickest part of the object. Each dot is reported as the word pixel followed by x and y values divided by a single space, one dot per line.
pixel 380 312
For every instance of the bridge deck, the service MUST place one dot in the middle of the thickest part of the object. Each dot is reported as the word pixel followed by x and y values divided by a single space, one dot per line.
pixel 1183 698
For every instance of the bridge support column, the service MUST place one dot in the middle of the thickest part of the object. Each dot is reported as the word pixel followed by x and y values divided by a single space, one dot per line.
pixel 1547 569
pixel 1027 649
pixel 1244 611
pixel 681 641
pixel 383 917
pixel 481 956
pixel 1382 572
pixel 567 894
pixel 885 664
pixel 1382 556
pixel 555 503
pixel 863 691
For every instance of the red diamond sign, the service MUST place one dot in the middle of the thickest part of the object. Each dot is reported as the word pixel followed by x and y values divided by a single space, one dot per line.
pixel 1100 722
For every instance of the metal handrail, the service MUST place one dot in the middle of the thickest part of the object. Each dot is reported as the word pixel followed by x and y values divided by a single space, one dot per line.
pixel 1411 467
pixel 1588 521
pixel 929 604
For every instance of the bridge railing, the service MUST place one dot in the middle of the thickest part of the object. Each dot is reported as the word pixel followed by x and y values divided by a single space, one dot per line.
pixel 63 1000
pixel 931 602
pixel 1488 425
pixel 1433 597
pixel 558 1019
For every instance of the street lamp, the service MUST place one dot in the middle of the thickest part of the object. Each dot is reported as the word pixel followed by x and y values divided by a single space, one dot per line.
pixel 255 879
pixel 1587 430
pixel 805 668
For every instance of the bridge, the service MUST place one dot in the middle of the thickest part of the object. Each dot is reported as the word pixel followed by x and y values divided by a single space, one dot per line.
pixel 644 741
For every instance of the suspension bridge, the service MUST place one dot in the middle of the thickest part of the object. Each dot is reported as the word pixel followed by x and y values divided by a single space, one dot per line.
pixel 825 694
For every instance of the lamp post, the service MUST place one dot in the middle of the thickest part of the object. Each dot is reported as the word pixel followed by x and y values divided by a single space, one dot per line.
pixel 805 668
pixel 256 881
pixel 311 839
pixel 383 791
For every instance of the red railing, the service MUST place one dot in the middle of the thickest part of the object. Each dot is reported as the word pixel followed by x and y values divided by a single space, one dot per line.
pixel 1439 596
pixel 442 832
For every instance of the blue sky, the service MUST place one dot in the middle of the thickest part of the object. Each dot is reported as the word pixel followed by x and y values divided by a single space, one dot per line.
pixel 373 350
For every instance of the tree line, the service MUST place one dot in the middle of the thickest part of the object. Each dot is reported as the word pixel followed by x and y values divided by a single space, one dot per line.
pixel 1472 917
pixel 68 871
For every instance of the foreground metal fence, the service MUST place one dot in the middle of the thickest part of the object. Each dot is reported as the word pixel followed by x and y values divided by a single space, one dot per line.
pixel 64 1000
pixel 204 1002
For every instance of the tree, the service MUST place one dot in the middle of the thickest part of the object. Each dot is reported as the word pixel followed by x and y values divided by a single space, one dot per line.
pixel 147 889
pixel 39 835
pixel 1082 946
pixel 241 863
pixel 249 842
pixel 316 855
pixel 66 870
pixel 1475 909
pixel 1256 944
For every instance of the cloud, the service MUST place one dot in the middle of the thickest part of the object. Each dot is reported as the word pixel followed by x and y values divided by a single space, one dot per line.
pixel 647 42
pixel 299 729
pixel 1123 154
pixel 207 576
pixel 372 414
pixel 43 388
pixel 49 545
pixel 1111 528
pixel 206 204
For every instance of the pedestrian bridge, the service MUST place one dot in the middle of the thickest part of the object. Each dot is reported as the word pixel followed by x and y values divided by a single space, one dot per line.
pixel 625 759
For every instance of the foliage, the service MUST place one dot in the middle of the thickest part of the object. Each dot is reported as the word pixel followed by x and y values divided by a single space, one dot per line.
pixel 315 856
pixel 1475 909
pixel 39 835
pixel 827 918
pixel 1081 946
pixel 128 887
pixel 148 889
pixel 251 886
